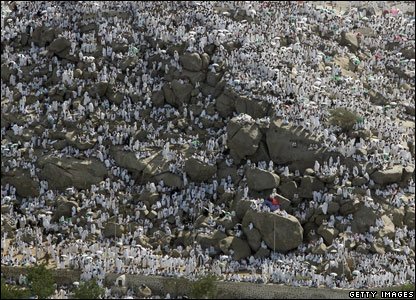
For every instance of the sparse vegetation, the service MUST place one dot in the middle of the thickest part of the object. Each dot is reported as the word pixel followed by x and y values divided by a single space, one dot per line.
pixel 89 290
pixel 12 291
pixel 204 288
pixel 343 118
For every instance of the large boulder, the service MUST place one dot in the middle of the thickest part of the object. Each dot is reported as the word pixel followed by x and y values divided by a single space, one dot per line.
pixel 350 40
pixel 364 217
pixel 224 105
pixel 309 184
pixel 193 77
pixel 289 145
pixel 158 98
pixel 243 136
pixel 408 173
pixel 112 230
pixel 213 78
pixel 408 52
pixel 191 62
pixel 388 229
pixel 240 247
pixel 199 171
pixel 24 184
pixel 43 35
pixel 327 233
pixel 409 218
pixel 182 91
pixel 207 240
pixel 144 291
pixel 260 180
pixel 279 232
pixel 64 207
pixel 253 238
pixel 152 168
pixel 254 108
pixel 128 160
pixel 262 253
pixel 62 173
pixel 59 45
pixel 288 189
pixel 391 175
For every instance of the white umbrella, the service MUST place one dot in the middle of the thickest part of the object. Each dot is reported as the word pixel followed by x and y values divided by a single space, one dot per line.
pixel 356 272
pixel 333 274
pixel 48 212
pixel 76 283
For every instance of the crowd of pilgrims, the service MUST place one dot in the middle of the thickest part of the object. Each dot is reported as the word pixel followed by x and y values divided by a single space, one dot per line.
pixel 258 69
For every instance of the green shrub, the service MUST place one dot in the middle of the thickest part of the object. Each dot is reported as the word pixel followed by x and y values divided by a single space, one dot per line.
pixel 41 281
pixel 89 290
pixel 204 288
pixel 343 118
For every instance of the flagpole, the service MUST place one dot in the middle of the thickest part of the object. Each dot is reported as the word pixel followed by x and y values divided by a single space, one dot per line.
pixel 274 238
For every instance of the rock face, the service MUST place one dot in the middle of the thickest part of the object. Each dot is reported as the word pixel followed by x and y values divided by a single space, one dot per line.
pixel 243 136
pixel 388 176
pixel 240 247
pixel 62 173
pixel 260 180
pixel 191 62
pixel 285 233
pixel 199 171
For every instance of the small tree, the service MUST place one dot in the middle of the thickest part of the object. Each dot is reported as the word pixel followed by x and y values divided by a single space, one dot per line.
pixel 343 118
pixel 204 288
pixel 89 290
pixel 41 281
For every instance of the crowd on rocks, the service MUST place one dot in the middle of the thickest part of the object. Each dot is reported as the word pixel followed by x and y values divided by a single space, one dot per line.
pixel 149 137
